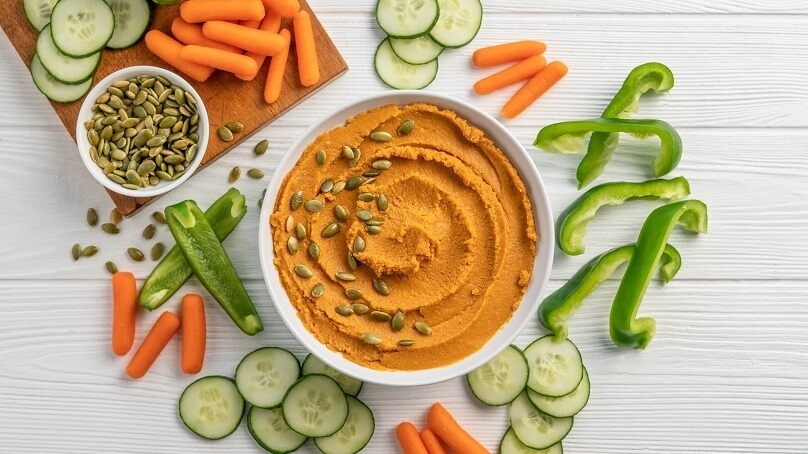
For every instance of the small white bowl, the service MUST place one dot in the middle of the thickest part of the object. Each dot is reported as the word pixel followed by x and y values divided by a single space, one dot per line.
pixel 84 144
pixel 541 264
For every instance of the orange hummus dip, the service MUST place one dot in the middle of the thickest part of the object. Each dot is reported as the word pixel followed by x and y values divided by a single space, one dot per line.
pixel 434 254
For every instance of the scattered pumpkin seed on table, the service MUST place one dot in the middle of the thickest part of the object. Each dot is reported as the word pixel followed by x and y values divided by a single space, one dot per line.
pixel 111 267
pixel 234 175
pixel 92 217
pixel 157 251
pixel 115 216
pixel 149 231
pixel 261 147
pixel 235 126
pixel 159 217
pixel 255 173
pixel 135 254
pixel 110 228
pixel 225 134
pixel 75 251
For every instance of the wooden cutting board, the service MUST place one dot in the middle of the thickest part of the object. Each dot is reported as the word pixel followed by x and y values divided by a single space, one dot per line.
pixel 226 97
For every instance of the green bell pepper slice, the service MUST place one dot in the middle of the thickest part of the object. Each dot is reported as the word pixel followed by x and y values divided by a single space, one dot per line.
pixel 572 222
pixel 568 137
pixel 561 304
pixel 209 261
pixel 647 77
pixel 625 329
pixel 173 270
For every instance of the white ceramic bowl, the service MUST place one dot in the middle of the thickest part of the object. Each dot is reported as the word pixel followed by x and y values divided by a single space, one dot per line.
pixel 541 265
pixel 84 144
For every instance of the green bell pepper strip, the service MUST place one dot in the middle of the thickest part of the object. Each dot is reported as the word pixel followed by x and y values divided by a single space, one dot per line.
pixel 561 304
pixel 173 270
pixel 624 328
pixel 211 265
pixel 646 77
pixel 572 222
pixel 568 137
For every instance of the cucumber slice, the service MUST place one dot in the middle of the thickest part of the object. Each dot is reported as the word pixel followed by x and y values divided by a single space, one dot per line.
pixel 458 22
pixel 349 385
pixel 132 18
pixel 416 51
pixel 270 431
pixel 38 12
pixel 511 445
pixel 264 376
pixel 556 367
pixel 406 18
pixel 399 74
pixel 81 27
pixel 533 428
pixel 211 407
pixel 501 380
pixel 561 407
pixel 67 70
pixel 52 88
pixel 315 406
pixel 354 434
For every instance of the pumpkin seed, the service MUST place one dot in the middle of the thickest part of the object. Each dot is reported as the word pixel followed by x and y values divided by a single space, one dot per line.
pixel 290 223
pixel 157 251
pixel 235 126
pixel 382 203
pixel 353 183
pixel 318 290
pixel 353 293
pixel 359 244
pixel 75 251
pixel 364 215
pixel 380 286
pixel 381 136
pixel 327 185
pixel 398 321
pixel 369 181
pixel 345 276
pixel 338 187
pixel 357 155
pixel 314 250
pixel 300 231
pixel 110 228
pixel 255 173
pixel 235 174
pixel 372 338
pixel 297 200
pixel 423 328
pixel 405 127
pixel 149 231
pixel 344 310
pixel 261 147
pixel 381 164
pixel 92 217
pixel 373 229
pixel 360 309
pixel 374 222
pixel 371 173
pixel 330 230
pixel 135 254
pixel 380 316
pixel 352 263
pixel 303 271
pixel 225 134
pixel 111 267
pixel 366 197
pixel 292 245
pixel 314 206
pixel 133 178
pixel 406 342
pixel 133 187
pixel 341 213
pixel 320 157
pixel 347 152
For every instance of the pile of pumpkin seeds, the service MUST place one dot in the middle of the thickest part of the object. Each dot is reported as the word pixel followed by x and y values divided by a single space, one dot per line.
pixel 144 130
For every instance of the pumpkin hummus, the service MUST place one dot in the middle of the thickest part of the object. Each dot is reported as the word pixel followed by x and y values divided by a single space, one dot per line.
pixel 452 248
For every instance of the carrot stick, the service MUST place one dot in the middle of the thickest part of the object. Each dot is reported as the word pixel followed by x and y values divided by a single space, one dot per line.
pixel 124 311
pixel 254 24
pixel 168 50
pixel 504 53
pixel 431 442
pixel 277 67
pixel 286 8
pixel 307 65
pixel 249 39
pixel 271 24
pixel 409 440
pixel 192 34
pixel 534 88
pixel 159 335
pixel 194 334
pixel 525 69
pixel 219 59
pixel 205 10
pixel 441 422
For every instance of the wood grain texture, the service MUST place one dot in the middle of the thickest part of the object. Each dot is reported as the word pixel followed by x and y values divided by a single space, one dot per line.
pixel 226 97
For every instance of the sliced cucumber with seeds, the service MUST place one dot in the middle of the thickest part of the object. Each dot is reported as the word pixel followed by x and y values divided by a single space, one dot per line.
pixel 67 70
pixel 270 431
pixel 416 51
pixel 511 445
pixel 406 18
pixel 211 407
pixel 349 385
pixel 38 12
pixel 458 22
pixel 354 434
pixel 561 407
pixel 81 27
pixel 501 380
pixel 264 376
pixel 399 74
pixel 556 367
pixel 132 18
pixel 315 406
pixel 533 428
pixel 52 88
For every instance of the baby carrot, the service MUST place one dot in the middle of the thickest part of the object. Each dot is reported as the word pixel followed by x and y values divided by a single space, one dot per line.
pixel 271 24
pixel 192 34
pixel 277 66
pixel 254 24
pixel 168 50
pixel 219 59
pixel 249 39
pixel 409 440
pixel 431 442
pixel 307 65
pixel 286 8
pixel 504 53
pixel 534 88
pixel 124 311
pixel 205 10
pixel 523 70
pixel 441 422
pixel 159 335
pixel 194 334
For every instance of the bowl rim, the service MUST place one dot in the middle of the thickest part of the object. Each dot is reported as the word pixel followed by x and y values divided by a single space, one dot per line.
pixel 542 264
pixel 83 144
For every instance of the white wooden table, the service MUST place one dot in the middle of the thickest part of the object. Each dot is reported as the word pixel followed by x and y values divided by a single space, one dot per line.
pixel 726 371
